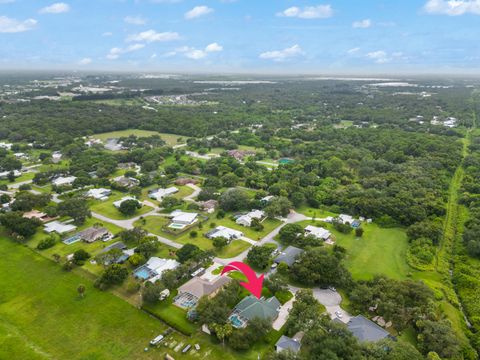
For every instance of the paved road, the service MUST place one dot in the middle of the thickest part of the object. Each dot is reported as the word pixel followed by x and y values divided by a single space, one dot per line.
pixel 331 300
pixel 192 196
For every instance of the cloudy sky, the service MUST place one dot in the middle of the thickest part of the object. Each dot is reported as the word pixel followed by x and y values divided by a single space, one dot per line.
pixel 242 35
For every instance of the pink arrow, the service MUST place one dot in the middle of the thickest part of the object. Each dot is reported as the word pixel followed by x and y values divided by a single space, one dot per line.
pixel 254 284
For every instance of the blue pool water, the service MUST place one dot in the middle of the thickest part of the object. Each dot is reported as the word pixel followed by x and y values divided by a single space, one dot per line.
pixel 236 322
pixel 142 273
pixel 72 240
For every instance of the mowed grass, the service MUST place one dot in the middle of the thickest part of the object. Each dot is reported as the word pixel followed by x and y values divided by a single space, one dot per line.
pixel 42 316
pixel 378 252
pixel 107 209
pixel 170 139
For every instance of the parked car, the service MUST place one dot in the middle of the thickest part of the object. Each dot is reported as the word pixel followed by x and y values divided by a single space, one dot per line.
pixel 157 340
pixel 339 314
pixel 274 265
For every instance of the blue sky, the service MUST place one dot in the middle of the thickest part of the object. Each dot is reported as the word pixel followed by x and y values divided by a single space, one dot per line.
pixel 336 36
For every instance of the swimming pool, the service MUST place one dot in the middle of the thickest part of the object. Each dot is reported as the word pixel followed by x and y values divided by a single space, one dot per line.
pixel 236 321
pixel 71 240
pixel 143 273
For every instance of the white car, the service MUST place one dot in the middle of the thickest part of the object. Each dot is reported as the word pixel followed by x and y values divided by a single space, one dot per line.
pixel 339 314
pixel 157 340
pixel 274 265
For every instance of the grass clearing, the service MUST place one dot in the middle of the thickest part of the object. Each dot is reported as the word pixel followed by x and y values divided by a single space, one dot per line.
pixel 170 139
pixel 379 252
pixel 107 209
pixel 42 314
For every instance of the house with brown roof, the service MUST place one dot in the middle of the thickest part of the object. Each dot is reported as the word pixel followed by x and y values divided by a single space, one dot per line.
pixel 93 234
pixel 190 292
pixel 35 214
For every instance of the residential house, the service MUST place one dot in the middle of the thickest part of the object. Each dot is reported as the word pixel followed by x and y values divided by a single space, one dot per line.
pixel 6 174
pixel 181 220
pixel 6 146
pixel 240 154
pixel 366 330
pixel 318 232
pixel 56 157
pixel 185 181
pixel 99 194
pixel 118 203
pixel 153 269
pixel 159 194
pixel 190 292
pixel 246 220
pixel 117 245
pixel 208 206
pixel 222 231
pixel 58 227
pixel 289 256
pixel 251 308
pixel 286 343
pixel 93 234
pixel 35 214
pixel 126 182
pixel 63 181
pixel 265 200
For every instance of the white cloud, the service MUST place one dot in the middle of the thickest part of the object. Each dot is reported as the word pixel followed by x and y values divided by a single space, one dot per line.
pixel 153 36
pixel 85 61
pixel 362 24
pixel 213 47
pixel 56 8
pixel 353 51
pixel 9 25
pixel 281 55
pixel 116 51
pixel 308 12
pixel 197 12
pixel 135 20
pixel 453 7
pixel 382 57
pixel 195 54
pixel 108 33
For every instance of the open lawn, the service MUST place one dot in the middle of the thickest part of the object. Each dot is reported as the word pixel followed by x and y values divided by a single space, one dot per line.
pixel 42 316
pixel 235 248
pixel 379 252
pixel 170 139
pixel 107 209
pixel 24 177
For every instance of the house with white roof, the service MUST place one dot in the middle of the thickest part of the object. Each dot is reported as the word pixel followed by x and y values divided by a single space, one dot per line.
pixel 58 227
pixel 63 181
pixel 56 157
pixel 5 174
pixel 318 232
pixel 6 146
pixel 118 203
pixel 153 269
pixel 246 220
pixel 99 194
pixel 159 194
pixel 181 219
pixel 227 233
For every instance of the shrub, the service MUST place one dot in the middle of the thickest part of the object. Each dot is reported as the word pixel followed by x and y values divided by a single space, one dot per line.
pixel 46 243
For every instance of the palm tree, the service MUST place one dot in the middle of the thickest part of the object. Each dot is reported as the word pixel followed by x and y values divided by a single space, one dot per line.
pixel 81 290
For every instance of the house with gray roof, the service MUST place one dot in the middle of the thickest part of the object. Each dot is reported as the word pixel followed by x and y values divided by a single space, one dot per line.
pixel 251 307
pixel 366 330
pixel 286 343
pixel 289 255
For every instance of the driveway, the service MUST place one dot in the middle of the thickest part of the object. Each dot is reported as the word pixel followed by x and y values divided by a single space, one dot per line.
pixel 331 300
pixel 283 314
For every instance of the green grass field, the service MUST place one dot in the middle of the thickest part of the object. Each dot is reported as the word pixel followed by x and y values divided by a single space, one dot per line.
pixel 379 252
pixel 170 139
pixel 107 209
pixel 42 317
